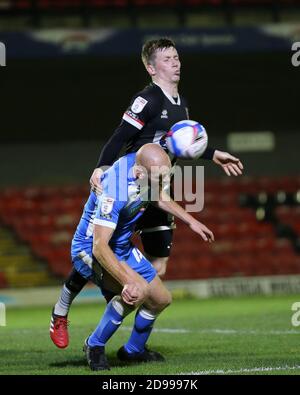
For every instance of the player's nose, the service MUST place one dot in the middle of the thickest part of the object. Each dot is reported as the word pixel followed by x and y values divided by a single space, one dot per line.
pixel 176 64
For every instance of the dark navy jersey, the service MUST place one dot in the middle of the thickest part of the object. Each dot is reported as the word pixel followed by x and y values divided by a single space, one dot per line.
pixel 152 112
pixel 148 118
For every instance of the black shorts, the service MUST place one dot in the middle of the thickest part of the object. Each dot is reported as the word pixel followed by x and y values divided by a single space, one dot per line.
pixel 156 229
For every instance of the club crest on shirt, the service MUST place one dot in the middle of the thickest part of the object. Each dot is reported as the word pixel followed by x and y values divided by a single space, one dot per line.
pixel 107 205
pixel 138 104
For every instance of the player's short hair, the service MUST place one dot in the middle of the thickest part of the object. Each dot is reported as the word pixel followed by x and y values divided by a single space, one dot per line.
pixel 151 46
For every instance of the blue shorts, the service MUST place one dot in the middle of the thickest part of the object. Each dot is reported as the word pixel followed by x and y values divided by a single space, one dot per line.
pixel 83 263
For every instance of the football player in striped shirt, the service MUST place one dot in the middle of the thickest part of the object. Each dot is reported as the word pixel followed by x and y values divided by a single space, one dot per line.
pixel 102 251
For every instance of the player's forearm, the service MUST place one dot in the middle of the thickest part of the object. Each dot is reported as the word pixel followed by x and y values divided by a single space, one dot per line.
pixel 113 147
pixel 104 255
pixel 110 151
pixel 167 204
pixel 208 153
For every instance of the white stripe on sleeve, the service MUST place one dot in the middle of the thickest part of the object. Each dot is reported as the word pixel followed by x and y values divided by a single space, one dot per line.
pixel 132 121
pixel 102 222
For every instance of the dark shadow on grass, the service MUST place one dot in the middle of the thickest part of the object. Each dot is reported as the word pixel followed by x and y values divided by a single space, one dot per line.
pixel 82 362
pixel 69 363
pixel 114 362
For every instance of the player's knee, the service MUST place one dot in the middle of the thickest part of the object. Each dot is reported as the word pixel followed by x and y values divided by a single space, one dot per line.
pixel 167 299
pixel 160 265
pixel 121 307
pixel 144 286
pixel 161 271
pixel 144 291
pixel 163 302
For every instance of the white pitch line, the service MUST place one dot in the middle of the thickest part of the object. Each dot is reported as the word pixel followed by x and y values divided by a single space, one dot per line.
pixel 222 331
pixel 207 331
pixel 245 370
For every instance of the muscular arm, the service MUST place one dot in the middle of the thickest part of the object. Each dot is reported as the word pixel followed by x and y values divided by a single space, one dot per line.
pixel 104 254
pixel 122 273
pixel 135 288
pixel 167 204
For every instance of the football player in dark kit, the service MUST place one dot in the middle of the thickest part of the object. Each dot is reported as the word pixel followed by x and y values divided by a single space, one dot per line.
pixel 147 119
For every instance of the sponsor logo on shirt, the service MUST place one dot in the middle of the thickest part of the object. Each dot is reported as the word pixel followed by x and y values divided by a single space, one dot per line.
pixel 135 208
pixel 164 114
pixel 107 216
pixel 132 115
pixel 133 119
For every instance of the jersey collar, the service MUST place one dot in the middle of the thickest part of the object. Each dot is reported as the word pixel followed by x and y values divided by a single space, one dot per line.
pixel 169 96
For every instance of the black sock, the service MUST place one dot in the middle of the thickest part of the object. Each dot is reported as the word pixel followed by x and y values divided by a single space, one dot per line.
pixel 75 282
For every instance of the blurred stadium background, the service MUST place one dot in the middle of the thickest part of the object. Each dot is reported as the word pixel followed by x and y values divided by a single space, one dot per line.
pixel 72 67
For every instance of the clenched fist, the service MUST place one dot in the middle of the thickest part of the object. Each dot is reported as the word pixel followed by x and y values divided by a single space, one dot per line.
pixel 134 293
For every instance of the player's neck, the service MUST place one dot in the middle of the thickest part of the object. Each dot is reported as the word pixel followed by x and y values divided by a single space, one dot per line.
pixel 170 87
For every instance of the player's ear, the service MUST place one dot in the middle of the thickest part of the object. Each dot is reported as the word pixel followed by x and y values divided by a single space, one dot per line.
pixel 151 69
pixel 140 172
pixel 142 175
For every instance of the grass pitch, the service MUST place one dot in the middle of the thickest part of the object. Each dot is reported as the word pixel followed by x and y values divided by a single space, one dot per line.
pixel 252 335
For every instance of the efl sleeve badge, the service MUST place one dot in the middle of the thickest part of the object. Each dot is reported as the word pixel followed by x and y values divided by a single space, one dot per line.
pixel 138 104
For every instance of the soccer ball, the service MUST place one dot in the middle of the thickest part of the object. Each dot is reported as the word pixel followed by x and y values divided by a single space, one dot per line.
pixel 187 139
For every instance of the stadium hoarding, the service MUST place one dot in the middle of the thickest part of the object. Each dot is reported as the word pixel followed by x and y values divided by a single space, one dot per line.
pixel 251 141
pixel 214 287
pixel 110 42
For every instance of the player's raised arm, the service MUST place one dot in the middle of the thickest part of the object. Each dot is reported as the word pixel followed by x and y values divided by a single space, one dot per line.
pixel 229 163
pixel 142 109
pixel 111 151
pixel 168 205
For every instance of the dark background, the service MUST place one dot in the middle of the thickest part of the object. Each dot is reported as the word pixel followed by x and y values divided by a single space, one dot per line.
pixel 84 98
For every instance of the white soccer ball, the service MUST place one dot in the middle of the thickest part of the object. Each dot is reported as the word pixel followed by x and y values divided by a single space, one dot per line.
pixel 187 139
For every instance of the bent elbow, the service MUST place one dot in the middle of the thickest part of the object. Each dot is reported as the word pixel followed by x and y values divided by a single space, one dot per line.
pixel 98 249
